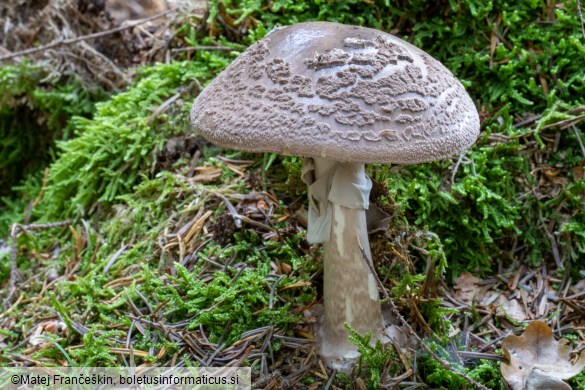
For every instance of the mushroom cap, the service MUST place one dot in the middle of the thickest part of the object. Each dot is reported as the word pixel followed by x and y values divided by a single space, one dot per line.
pixel 348 93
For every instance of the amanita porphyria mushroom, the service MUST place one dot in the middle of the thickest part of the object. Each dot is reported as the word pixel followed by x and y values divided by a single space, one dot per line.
pixel 340 96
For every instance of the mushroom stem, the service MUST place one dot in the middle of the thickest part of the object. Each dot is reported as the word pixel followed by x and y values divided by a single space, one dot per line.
pixel 350 290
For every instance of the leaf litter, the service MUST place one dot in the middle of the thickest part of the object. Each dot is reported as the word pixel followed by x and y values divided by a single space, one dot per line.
pixel 479 314
pixel 538 361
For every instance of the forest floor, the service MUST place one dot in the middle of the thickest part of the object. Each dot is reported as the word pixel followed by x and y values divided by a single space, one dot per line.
pixel 127 240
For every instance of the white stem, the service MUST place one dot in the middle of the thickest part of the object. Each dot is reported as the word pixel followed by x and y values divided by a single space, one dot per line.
pixel 350 290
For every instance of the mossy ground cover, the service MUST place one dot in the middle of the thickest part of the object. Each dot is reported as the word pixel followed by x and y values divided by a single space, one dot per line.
pixel 172 251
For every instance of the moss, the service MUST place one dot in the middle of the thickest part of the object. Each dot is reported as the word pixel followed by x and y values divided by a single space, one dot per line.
pixel 35 112
pixel 373 358
pixel 115 149
pixel 486 372
pixel 226 306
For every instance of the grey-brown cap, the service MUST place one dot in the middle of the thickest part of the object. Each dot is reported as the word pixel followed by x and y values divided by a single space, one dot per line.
pixel 349 93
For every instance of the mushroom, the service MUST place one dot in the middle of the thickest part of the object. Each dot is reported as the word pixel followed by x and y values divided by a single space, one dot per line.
pixel 340 96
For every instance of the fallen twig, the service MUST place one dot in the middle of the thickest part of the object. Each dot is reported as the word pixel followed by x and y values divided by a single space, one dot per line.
pixel 565 122
pixel 65 42
pixel 481 355
pixel 209 48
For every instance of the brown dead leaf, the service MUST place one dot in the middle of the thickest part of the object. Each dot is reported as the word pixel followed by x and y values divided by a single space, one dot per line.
pixel 511 308
pixel 206 174
pixel 399 336
pixel 280 267
pixel 466 287
pixel 540 380
pixel 538 361
pixel 53 326
pixel 578 287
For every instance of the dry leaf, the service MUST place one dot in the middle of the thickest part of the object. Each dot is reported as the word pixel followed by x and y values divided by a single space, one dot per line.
pixel 399 336
pixel 538 361
pixel 579 286
pixel 466 287
pixel 53 326
pixel 511 308
pixel 206 174
pixel 540 380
